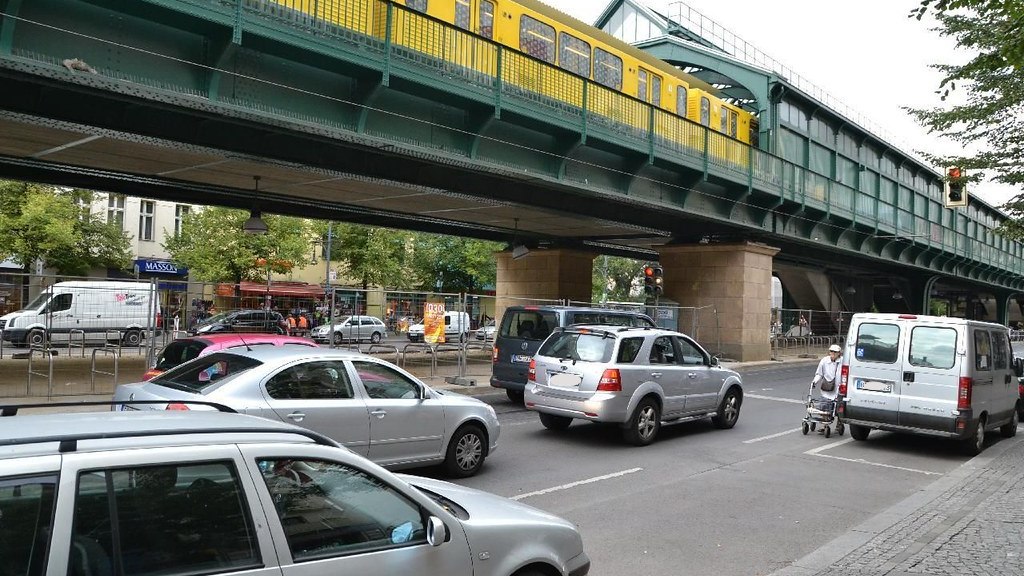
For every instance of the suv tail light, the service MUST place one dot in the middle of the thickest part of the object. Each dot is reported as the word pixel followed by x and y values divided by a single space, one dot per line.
pixel 532 374
pixel 610 381
pixel 963 393
pixel 176 406
pixel 844 378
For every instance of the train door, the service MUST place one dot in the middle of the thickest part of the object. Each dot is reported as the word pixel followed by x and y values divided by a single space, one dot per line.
pixel 648 86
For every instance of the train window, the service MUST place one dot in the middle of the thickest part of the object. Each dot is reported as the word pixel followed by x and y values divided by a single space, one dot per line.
pixel 462 14
pixel 537 39
pixel 656 90
pixel 417 5
pixel 705 111
pixel 607 69
pixel 641 84
pixel 724 123
pixel 733 119
pixel 681 100
pixel 487 19
pixel 574 54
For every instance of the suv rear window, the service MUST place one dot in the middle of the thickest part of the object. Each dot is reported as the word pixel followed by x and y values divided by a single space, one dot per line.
pixel 528 324
pixel 579 346
pixel 877 343
pixel 608 319
pixel 178 353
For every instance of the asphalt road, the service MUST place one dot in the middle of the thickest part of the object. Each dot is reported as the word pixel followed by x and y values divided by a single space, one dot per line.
pixel 705 501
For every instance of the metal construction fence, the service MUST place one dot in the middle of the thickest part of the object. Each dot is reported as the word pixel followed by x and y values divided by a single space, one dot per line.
pixel 806 332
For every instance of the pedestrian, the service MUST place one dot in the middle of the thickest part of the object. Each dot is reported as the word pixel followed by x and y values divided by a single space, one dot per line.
pixel 303 325
pixel 291 323
pixel 826 379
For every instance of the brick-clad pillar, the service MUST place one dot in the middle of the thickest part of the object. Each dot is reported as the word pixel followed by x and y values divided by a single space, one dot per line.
pixel 543 275
pixel 730 288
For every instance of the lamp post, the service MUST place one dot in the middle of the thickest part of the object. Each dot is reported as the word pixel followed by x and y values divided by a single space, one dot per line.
pixel 266 262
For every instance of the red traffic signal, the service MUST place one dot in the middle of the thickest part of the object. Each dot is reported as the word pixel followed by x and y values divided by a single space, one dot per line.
pixel 654 281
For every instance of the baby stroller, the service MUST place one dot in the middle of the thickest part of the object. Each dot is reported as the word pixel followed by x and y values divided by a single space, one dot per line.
pixel 821 411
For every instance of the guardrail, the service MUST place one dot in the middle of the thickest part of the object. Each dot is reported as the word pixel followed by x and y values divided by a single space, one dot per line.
pixel 375 348
pixel 93 371
pixel 49 373
pixel 71 337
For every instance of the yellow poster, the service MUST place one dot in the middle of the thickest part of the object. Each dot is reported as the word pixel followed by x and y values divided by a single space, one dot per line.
pixel 433 322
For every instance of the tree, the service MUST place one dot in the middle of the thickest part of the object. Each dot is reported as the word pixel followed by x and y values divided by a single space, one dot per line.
pixel 452 264
pixel 373 256
pixel 990 93
pixel 44 223
pixel 214 248
pixel 615 279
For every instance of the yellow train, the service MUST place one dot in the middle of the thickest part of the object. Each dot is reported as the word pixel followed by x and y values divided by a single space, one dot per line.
pixel 540 34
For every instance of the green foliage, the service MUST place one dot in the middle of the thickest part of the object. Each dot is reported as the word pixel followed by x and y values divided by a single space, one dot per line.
pixel 990 92
pixel 372 256
pixel 214 248
pixel 615 279
pixel 43 222
pixel 451 264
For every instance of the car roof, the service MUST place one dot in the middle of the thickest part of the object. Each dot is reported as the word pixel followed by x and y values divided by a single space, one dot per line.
pixel 280 353
pixel 225 338
pixel 562 308
pixel 623 330
pixel 62 431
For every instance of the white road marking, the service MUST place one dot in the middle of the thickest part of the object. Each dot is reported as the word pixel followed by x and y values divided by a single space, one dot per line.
pixel 770 436
pixel 574 484
pixel 815 452
pixel 775 398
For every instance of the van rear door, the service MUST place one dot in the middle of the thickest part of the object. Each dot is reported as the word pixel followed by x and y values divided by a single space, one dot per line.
pixel 519 336
pixel 930 378
pixel 875 372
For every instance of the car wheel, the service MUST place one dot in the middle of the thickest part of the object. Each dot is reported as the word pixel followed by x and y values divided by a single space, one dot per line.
pixel 465 452
pixel 728 411
pixel 375 337
pixel 859 432
pixel 131 338
pixel 974 444
pixel 644 424
pixel 514 395
pixel 1009 430
pixel 552 422
pixel 36 338
pixel 338 338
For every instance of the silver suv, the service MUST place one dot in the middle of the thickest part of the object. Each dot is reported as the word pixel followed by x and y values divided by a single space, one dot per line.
pixel 641 378
pixel 204 492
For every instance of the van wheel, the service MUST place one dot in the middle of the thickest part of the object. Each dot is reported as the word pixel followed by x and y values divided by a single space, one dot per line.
pixel 514 395
pixel 35 339
pixel 1009 430
pixel 552 422
pixel 974 444
pixel 131 338
pixel 728 411
pixel 643 426
pixel 375 337
pixel 465 453
pixel 859 432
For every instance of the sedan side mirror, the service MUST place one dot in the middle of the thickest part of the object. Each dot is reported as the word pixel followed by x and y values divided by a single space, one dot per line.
pixel 437 532
pixel 714 361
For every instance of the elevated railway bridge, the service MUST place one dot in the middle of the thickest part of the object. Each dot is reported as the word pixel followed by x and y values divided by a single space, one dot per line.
pixel 374 112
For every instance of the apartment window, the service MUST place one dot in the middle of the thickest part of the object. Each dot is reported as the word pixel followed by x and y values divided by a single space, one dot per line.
pixel 115 210
pixel 179 216
pixel 147 208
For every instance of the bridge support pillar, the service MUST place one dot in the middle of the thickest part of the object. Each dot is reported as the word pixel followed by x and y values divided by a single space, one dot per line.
pixel 543 276
pixel 730 285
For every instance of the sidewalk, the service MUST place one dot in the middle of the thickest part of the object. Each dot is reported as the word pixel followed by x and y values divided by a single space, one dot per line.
pixel 970 522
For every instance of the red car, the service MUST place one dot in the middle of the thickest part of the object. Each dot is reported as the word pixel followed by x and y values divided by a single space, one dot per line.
pixel 184 349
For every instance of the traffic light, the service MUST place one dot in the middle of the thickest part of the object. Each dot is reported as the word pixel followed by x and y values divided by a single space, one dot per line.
pixel 955 192
pixel 654 280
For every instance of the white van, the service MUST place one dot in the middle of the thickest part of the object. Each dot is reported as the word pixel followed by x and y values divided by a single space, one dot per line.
pixel 456 328
pixel 929 375
pixel 90 309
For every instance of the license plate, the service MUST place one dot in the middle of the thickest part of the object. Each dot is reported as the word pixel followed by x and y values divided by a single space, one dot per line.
pixel 563 380
pixel 522 358
pixel 874 386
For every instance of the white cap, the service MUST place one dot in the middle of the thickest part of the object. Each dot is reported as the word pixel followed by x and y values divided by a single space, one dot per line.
pixel 835 348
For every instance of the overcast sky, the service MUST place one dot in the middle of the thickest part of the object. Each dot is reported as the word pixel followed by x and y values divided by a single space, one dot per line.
pixel 867 54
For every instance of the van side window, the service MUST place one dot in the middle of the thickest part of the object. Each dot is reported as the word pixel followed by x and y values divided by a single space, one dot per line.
pixel 1000 347
pixel 59 303
pixel 932 347
pixel 982 350
pixel 877 343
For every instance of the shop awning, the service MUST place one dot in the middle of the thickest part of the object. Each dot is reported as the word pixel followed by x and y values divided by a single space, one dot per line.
pixel 296 289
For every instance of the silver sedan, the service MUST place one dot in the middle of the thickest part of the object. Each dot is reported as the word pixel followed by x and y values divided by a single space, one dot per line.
pixel 373 407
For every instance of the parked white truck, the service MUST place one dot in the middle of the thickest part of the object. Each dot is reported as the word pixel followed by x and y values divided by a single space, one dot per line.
pixel 90 310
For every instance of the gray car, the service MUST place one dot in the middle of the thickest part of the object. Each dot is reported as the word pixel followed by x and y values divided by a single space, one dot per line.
pixel 371 406
pixel 351 329
pixel 203 492
pixel 640 378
